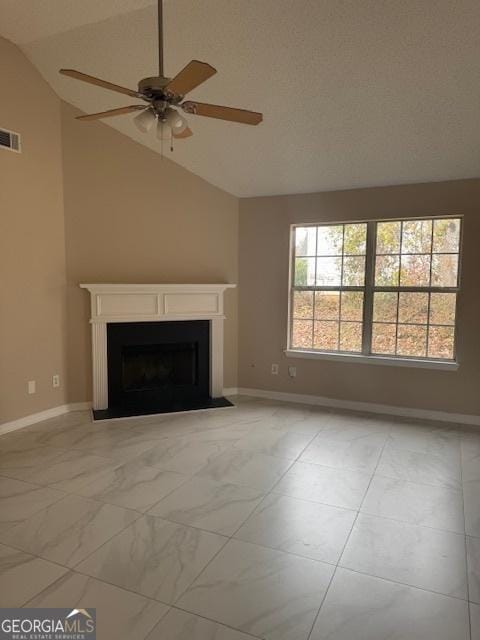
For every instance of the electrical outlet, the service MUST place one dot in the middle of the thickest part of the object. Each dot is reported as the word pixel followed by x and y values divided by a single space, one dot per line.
pixel 31 386
pixel 56 380
pixel 292 372
pixel 274 369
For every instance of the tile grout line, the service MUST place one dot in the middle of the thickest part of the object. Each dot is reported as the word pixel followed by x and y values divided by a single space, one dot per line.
pixel 466 544
pixel 101 503
pixel 346 542
pixel 68 567
pixel 294 461
pixel 88 482
pixel 75 567
pixel 422 484
pixel 404 584
pixel 414 524
pixel 134 593
pixel 76 570
pixel 280 551
pixel 230 538
pixel 222 624
pixel 65 495
pixel 110 584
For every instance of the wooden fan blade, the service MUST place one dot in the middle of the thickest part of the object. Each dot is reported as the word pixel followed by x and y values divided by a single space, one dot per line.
pixel 78 75
pixel 190 77
pixel 185 134
pixel 112 112
pixel 222 113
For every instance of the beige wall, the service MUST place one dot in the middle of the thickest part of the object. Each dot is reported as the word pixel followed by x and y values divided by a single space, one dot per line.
pixel 32 250
pixel 264 257
pixel 133 216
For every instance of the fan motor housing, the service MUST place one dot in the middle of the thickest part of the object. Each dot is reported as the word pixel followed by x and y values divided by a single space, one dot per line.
pixel 153 86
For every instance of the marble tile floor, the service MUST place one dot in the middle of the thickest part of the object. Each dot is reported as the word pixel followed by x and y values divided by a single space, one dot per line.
pixel 268 520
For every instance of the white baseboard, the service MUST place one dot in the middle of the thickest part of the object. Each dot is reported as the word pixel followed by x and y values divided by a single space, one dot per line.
pixel 230 391
pixel 369 407
pixel 33 418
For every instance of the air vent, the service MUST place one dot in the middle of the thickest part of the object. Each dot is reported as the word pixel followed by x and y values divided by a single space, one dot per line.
pixel 10 140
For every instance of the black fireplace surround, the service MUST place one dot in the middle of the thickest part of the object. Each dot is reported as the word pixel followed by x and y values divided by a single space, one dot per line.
pixel 158 367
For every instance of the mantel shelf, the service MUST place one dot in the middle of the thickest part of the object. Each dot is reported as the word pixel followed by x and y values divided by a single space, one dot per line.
pixel 156 287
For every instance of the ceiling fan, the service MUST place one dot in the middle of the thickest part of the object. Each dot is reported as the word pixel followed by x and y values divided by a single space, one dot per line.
pixel 164 97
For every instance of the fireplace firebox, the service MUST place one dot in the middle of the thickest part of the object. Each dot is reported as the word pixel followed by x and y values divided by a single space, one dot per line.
pixel 159 367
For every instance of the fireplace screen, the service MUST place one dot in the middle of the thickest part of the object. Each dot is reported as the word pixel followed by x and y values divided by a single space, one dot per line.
pixel 153 366
pixel 158 366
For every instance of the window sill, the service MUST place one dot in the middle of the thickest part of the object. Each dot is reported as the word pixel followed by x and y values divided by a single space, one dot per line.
pixel 378 360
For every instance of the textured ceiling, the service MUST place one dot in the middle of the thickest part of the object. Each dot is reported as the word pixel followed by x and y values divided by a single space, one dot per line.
pixel 354 93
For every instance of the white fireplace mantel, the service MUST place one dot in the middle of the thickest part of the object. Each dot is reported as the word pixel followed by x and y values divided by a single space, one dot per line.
pixel 154 303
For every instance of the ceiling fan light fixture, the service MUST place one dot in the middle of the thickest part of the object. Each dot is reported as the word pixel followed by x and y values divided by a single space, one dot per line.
pixel 164 97
pixel 144 121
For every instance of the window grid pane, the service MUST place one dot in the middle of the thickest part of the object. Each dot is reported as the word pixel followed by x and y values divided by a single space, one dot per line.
pixel 425 260
pixel 414 288
pixel 438 323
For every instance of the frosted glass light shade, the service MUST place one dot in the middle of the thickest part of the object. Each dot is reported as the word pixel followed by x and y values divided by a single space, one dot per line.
pixel 176 121
pixel 145 119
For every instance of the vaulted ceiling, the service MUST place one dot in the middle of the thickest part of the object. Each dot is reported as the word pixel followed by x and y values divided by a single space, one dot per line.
pixel 354 93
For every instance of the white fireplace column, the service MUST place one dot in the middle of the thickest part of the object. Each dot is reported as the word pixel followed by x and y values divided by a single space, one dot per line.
pixel 154 303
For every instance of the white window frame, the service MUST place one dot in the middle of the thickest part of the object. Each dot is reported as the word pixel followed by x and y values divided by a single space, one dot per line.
pixel 369 288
